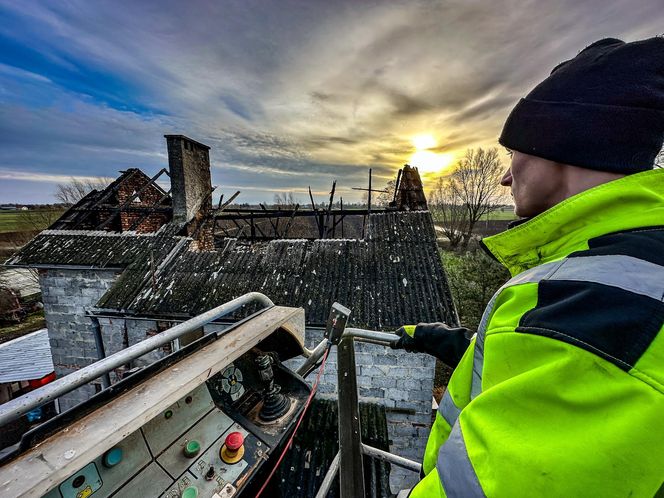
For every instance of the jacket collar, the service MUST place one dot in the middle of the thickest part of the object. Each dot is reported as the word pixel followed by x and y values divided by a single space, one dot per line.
pixel 634 201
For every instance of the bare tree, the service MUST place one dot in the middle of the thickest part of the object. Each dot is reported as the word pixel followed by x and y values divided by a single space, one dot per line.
pixel 472 190
pixel 74 190
pixel 285 200
pixel 39 219
pixel 384 198
pixel 448 208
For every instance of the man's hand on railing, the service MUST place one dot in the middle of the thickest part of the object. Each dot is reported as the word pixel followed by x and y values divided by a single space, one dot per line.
pixel 437 339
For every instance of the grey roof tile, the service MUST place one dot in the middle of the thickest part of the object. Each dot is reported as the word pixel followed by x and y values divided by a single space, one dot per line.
pixel 392 277
pixel 26 358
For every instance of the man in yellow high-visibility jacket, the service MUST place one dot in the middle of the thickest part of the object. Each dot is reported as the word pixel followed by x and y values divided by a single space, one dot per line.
pixel 561 391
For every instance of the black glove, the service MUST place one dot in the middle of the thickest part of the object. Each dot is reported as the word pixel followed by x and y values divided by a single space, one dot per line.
pixel 437 339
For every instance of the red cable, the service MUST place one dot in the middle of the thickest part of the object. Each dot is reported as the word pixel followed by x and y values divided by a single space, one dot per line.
pixel 306 406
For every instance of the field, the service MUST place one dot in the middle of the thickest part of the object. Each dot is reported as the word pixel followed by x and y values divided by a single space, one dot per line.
pixel 500 215
pixel 11 221
pixel 35 219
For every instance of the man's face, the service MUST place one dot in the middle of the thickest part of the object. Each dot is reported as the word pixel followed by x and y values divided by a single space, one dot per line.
pixel 537 184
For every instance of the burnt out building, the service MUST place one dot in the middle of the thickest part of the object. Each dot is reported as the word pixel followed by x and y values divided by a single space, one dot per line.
pixel 138 257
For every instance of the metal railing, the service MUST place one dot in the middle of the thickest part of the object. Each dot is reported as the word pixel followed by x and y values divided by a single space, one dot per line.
pixel 349 460
pixel 18 407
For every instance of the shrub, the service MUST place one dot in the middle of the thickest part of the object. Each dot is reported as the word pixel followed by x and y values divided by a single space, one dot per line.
pixel 473 277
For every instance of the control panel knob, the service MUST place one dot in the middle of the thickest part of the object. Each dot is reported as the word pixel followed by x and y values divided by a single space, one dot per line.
pixel 192 448
pixel 112 457
pixel 190 492
pixel 232 450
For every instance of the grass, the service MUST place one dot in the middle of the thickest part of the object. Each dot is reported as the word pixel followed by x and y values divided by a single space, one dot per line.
pixel 18 221
pixel 500 215
pixel 11 221
pixel 34 321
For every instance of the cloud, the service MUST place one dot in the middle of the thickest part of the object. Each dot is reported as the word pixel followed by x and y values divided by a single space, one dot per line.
pixel 286 94
pixel 42 177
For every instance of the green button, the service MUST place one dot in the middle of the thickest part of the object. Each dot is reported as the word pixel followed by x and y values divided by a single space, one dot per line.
pixel 190 492
pixel 191 449
pixel 112 457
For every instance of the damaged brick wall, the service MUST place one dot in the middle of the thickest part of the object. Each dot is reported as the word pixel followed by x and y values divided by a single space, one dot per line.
pixel 151 195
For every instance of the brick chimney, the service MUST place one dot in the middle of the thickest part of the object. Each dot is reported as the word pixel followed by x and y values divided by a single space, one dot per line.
pixel 409 195
pixel 191 185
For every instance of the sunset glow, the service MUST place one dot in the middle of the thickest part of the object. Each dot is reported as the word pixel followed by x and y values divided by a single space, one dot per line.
pixel 288 95
pixel 426 160
pixel 423 142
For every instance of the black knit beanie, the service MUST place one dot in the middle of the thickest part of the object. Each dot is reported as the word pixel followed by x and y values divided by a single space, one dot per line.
pixel 603 109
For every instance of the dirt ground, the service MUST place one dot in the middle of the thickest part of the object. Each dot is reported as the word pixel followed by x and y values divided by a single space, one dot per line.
pixel 32 322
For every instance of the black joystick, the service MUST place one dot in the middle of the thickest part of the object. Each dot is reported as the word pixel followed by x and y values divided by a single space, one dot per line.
pixel 275 404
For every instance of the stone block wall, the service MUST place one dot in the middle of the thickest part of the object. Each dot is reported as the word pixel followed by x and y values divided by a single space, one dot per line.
pixel 66 294
pixel 398 380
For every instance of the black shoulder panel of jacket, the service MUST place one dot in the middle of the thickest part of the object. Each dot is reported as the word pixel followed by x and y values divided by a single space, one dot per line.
pixel 643 243
pixel 615 324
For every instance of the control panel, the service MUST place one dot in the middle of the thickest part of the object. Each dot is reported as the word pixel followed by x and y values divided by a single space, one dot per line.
pixel 213 442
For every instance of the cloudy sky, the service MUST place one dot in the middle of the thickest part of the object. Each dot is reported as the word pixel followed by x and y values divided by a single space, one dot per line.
pixel 287 93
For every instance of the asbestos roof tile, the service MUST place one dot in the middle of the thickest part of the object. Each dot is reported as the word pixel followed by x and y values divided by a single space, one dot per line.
pixel 393 277
pixel 304 467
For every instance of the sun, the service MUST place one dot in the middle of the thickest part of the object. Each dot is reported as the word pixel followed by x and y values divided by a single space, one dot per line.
pixel 426 160
pixel 424 142
pixel 430 162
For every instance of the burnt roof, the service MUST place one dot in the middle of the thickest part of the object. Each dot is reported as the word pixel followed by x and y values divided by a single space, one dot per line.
pixel 309 458
pixel 99 208
pixel 391 277
pixel 93 249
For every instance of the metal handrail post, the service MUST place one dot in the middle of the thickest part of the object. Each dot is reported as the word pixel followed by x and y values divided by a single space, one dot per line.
pixel 391 457
pixel 329 477
pixel 349 461
pixel 351 468
pixel 20 406
pixel 362 335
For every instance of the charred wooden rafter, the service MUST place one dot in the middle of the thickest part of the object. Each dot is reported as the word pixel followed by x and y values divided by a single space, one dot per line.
pixel 127 204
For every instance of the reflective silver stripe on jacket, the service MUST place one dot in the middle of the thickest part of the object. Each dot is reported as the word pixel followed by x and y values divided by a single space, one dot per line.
pixel 454 467
pixel 455 471
pixel 625 272
pixel 448 410
pixel 535 274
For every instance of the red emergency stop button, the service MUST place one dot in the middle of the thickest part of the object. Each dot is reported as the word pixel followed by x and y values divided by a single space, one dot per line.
pixel 232 450
pixel 234 441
